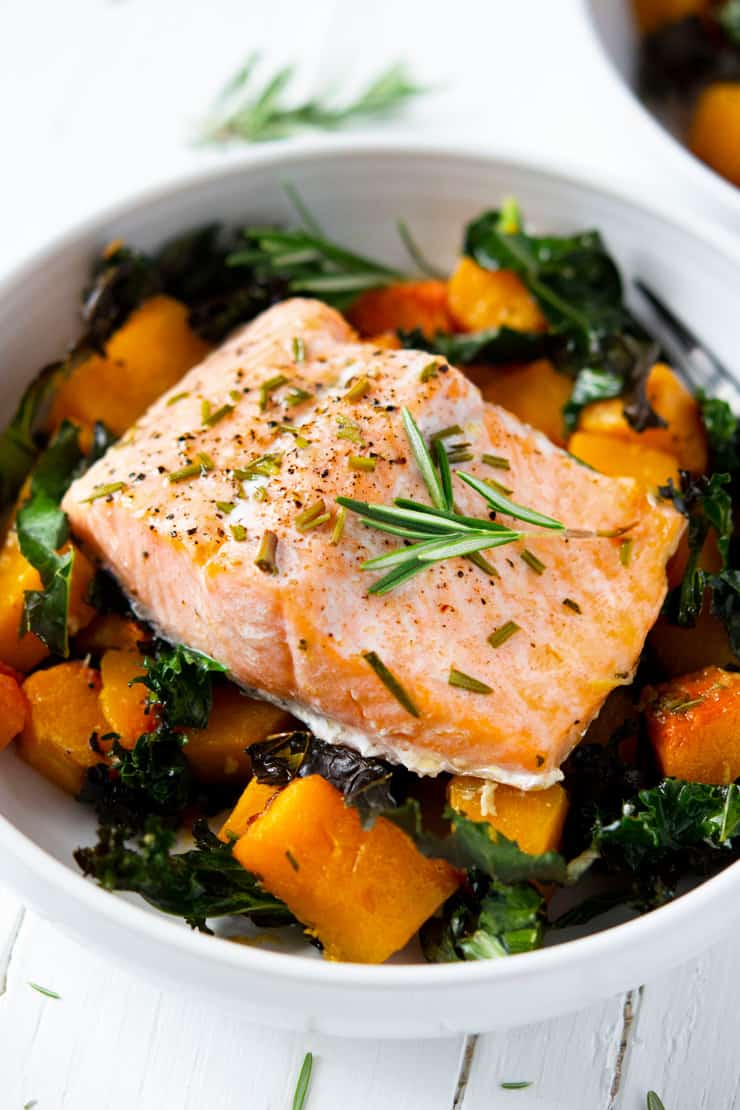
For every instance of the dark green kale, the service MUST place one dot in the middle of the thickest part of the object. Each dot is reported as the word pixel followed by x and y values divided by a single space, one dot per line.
pixel 121 279
pixel 485 921
pixel 682 56
pixel 19 441
pixel 493 345
pixel 723 434
pixel 42 529
pixel 181 682
pixel 372 785
pixel 579 289
pixel 707 505
pixel 200 884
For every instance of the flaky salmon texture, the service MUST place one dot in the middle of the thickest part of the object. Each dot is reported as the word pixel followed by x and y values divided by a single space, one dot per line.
pixel 185 551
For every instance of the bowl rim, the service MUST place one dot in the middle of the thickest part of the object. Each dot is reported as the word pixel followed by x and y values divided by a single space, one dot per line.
pixel 704 177
pixel 37 865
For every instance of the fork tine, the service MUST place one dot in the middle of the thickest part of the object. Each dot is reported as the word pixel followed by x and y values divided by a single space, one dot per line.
pixel 700 364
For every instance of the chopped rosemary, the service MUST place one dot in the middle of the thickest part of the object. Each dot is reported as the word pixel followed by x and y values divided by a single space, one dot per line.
pixel 205 411
pixel 265 558
pixel 654 1102
pixel 516 1085
pixel 44 990
pixel 502 634
pixel 445 433
pixel 467 682
pixel 497 486
pixel 268 387
pixel 532 561
pixel 104 491
pixel 459 452
pixel 358 389
pixel 177 397
pixel 498 462
pixel 429 371
pixel 264 466
pixel 349 430
pixel 336 532
pixel 206 462
pixel 625 552
pixel 214 417
pixel 304 1077
pixel 192 470
pixel 239 532
pixel 482 563
pixel 235 395
pixel 361 462
pixel 225 506
pixel 307 517
pixel 299 349
pixel 292 860
pixel 300 440
pixel 390 681
pixel 296 396
pixel 569 603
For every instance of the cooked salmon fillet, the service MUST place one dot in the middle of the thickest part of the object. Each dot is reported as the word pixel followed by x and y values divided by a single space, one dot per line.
pixel 185 552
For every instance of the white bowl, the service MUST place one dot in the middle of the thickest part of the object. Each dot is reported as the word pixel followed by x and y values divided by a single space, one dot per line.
pixel 357 193
pixel 611 25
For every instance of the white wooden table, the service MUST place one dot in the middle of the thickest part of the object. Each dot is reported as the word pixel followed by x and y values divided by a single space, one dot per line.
pixel 100 98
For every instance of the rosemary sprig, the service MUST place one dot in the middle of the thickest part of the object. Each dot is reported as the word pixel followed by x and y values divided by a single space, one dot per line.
pixel 263 115
pixel 304 1078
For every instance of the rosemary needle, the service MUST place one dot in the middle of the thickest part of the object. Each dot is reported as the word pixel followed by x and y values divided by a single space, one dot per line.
pixel 390 681
pixel 304 1079
pixel 467 682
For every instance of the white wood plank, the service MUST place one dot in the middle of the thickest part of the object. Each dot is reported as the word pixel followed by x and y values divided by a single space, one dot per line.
pixel 686 1038
pixel 114 1041
pixel 569 1062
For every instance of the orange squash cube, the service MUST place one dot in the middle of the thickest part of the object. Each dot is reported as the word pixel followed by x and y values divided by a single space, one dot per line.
pixel 651 14
pixel 715 129
pixel 145 357
pixel 64 714
pixel 216 753
pixel 252 802
pixel 535 392
pixel 402 307
pixel 533 818
pixel 363 893
pixel 16 576
pixel 694 725
pixel 126 707
pixel 684 438
pixel 13 706
pixel 620 458
pixel 110 630
pixel 481 299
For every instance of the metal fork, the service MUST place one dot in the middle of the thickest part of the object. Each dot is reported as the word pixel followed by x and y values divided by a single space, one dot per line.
pixel 701 368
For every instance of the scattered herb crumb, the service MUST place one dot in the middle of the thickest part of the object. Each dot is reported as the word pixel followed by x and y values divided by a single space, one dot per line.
pixel 467 682
pixel 390 681
pixel 292 860
pixel 516 1085
pixel 44 990
pixel 304 1081
pixel 654 1102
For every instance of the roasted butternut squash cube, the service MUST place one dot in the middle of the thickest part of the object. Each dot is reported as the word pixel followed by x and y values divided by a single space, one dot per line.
pixel 216 753
pixel 534 391
pixel 125 702
pixel 651 14
pixel 680 651
pixel 363 892
pixel 621 458
pixel 715 129
pixel 64 715
pixel 481 299
pixel 109 630
pixel 684 437
pixel 694 725
pixel 145 357
pixel 252 802
pixel 13 705
pixel 533 818
pixel 402 307
pixel 16 576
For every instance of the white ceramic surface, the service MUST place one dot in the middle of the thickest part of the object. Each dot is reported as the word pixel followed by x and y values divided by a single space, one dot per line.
pixel 611 25
pixel 358 193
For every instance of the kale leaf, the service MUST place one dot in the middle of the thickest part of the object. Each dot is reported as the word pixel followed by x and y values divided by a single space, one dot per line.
pixel 181 682
pixel 42 529
pixel 579 289
pixel 122 278
pixel 707 505
pixel 485 921
pixel 199 884
pixel 371 785
pixel 723 433
pixel 18 446
pixel 493 345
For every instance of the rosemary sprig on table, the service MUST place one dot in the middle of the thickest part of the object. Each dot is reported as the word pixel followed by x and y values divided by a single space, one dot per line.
pixel 263 115
pixel 439 530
